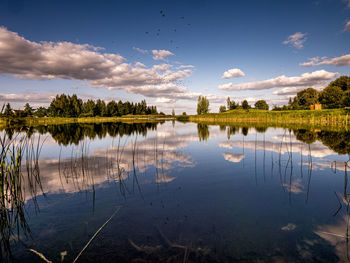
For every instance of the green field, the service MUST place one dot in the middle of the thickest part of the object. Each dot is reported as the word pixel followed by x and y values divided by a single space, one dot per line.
pixel 331 117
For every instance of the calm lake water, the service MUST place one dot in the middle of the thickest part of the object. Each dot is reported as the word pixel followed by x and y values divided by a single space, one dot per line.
pixel 185 192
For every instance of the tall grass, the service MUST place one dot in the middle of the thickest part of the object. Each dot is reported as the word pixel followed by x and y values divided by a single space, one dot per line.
pixel 12 187
pixel 334 117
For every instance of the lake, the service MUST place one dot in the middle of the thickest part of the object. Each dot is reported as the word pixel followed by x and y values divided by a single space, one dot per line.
pixel 178 192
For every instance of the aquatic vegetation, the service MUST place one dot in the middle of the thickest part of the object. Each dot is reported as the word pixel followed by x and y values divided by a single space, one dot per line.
pixel 12 189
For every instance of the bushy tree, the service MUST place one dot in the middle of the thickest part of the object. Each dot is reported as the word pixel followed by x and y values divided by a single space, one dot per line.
pixel 231 105
pixel 245 105
pixel 112 109
pixel 40 112
pixel 307 97
pixel 88 109
pixel 8 112
pixel 28 110
pixel 202 105
pixel 261 105
pixel 222 109
pixel 342 82
pixel 346 99
pixel 331 97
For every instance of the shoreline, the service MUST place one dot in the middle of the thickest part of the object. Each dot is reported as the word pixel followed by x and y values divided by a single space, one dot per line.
pixel 335 118
pixel 37 121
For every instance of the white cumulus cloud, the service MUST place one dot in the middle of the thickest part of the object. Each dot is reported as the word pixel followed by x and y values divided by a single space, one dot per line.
pixel 233 73
pixel 307 79
pixel 297 40
pixel 22 58
pixel 142 51
pixel 337 61
pixel 294 90
pixel 27 97
pixel 140 64
pixel 161 54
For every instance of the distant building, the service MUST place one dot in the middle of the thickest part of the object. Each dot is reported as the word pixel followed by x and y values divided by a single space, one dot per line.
pixel 316 107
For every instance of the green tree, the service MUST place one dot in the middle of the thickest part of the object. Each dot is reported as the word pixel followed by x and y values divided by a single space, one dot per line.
pixel 28 110
pixel 261 105
pixel 245 105
pixel 112 109
pixel 89 108
pixel 307 97
pixel 202 105
pixel 342 82
pixel 332 97
pixel 8 112
pixel 40 112
pixel 184 113
pixel 231 105
pixel 75 105
pixel 346 99
pixel 222 108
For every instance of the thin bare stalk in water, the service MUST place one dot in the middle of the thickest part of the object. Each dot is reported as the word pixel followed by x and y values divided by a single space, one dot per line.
pixel 309 175
pixel 243 151
pixel 255 173
pixel 40 255
pixel 301 160
pixel 135 179
pixel 340 205
pixel 272 164
pixel 264 158
pixel 279 160
pixel 95 235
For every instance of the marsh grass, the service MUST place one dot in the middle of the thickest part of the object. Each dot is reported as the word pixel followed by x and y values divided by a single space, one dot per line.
pixel 333 117
pixel 12 187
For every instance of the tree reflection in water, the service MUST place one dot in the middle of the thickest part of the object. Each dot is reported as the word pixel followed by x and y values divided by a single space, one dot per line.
pixel 203 131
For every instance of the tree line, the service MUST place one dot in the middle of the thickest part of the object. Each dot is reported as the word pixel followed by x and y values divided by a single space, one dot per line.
pixel 203 105
pixel 335 95
pixel 72 106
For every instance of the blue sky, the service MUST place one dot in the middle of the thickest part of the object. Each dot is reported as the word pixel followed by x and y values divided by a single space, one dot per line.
pixel 210 36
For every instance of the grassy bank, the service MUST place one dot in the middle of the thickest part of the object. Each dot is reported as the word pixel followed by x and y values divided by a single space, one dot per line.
pixel 33 121
pixel 334 117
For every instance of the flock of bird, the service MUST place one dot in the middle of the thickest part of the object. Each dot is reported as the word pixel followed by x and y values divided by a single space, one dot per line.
pixel 157 33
